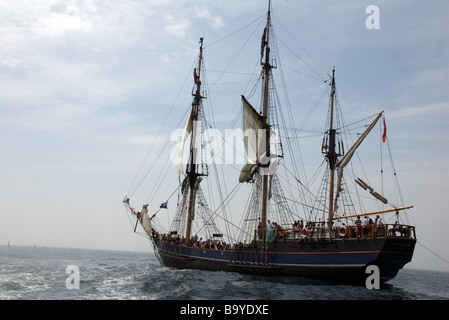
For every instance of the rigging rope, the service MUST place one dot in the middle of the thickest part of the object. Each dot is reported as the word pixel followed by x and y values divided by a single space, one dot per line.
pixel 433 252
pixel 295 40
pixel 215 213
pixel 238 52
pixel 237 31
pixel 129 193
pixel 302 60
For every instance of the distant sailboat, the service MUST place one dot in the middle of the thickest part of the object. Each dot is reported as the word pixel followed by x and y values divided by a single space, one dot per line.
pixel 9 243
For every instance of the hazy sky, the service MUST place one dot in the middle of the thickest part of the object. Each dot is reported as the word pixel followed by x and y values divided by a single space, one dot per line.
pixel 85 85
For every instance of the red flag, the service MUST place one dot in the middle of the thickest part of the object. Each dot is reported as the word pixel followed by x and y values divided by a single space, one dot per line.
pixel 384 135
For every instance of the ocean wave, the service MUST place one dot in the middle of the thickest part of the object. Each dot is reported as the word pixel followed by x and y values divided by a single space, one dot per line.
pixel 28 274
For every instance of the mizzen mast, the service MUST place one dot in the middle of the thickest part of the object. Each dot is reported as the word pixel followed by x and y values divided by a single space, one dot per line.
pixel 331 155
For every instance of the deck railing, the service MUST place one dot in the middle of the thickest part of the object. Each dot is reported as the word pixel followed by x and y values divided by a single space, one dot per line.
pixel 353 232
pixel 380 231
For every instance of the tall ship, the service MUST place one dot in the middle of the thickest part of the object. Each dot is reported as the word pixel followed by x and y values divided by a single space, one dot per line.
pixel 291 223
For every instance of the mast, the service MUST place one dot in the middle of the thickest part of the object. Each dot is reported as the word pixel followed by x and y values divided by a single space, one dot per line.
pixel 192 174
pixel 336 164
pixel 331 156
pixel 265 125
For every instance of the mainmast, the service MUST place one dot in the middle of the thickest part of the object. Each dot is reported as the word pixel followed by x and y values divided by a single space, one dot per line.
pixel 265 124
pixel 192 172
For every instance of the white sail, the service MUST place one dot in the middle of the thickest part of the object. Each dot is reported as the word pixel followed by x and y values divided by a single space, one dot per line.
pixel 146 223
pixel 252 128
pixel 255 142
pixel 187 129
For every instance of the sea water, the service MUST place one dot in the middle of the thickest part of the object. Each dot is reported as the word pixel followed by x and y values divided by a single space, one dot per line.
pixel 44 273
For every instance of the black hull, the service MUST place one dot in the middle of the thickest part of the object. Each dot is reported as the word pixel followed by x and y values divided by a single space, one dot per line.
pixel 342 261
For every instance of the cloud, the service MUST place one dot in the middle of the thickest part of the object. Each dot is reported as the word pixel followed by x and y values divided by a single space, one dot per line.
pixel 436 109
pixel 58 23
pixel 214 21
pixel 177 26
pixel 62 64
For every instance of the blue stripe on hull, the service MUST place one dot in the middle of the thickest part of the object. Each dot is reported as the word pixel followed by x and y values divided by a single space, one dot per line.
pixel 338 258
pixel 348 264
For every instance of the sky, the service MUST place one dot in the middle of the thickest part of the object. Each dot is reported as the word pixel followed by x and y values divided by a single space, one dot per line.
pixel 86 85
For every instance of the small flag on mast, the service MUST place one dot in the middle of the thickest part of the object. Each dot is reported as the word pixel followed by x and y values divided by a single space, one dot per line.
pixel 163 205
pixel 384 135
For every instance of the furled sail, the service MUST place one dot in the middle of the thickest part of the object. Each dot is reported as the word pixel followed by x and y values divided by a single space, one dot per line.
pixel 347 157
pixel 143 217
pixel 187 129
pixel 252 128
pixel 146 222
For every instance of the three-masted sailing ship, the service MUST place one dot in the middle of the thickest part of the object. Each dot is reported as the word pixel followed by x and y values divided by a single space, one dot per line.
pixel 280 234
